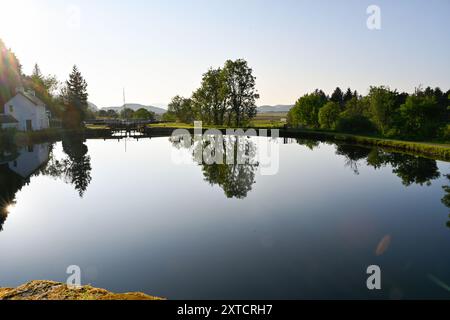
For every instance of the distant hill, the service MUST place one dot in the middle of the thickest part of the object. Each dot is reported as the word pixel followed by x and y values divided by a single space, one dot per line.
pixel 136 106
pixel 277 108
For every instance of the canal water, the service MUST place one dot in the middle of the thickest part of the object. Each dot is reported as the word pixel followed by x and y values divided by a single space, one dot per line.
pixel 134 218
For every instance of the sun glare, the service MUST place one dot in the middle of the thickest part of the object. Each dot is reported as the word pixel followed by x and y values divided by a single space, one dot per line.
pixel 13 30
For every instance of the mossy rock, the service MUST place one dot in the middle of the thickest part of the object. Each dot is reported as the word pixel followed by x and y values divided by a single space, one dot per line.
pixel 50 290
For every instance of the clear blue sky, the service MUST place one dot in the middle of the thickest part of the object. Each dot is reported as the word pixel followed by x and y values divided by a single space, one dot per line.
pixel 157 49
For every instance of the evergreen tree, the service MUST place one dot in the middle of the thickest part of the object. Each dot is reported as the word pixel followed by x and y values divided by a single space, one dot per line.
pixel 348 95
pixel 338 97
pixel 75 100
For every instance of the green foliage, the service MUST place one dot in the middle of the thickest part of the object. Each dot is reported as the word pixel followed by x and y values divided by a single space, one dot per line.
pixel 382 104
pixel 111 114
pixel 144 114
pixel 420 115
pixel 338 97
pixel 127 113
pixel 423 115
pixel 355 124
pixel 209 101
pixel 226 96
pixel 181 109
pixel 329 115
pixel 75 100
pixel 45 88
pixel 306 110
pixel 241 91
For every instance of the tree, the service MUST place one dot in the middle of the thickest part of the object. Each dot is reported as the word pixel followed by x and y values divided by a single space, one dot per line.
pixel 338 97
pixel 45 88
pixel 127 113
pixel 181 109
pixel 241 91
pixel 144 114
pixel 382 103
pixel 329 115
pixel 306 109
pixel 420 115
pixel 210 100
pixel 348 95
pixel 75 100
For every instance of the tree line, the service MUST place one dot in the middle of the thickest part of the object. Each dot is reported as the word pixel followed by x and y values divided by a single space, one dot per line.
pixel 227 96
pixel 127 113
pixel 66 100
pixel 425 114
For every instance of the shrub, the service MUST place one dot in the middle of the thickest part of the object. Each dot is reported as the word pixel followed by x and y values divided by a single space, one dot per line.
pixel 355 124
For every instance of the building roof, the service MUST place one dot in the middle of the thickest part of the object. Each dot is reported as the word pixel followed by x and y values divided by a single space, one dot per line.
pixel 30 97
pixel 6 118
pixel 35 100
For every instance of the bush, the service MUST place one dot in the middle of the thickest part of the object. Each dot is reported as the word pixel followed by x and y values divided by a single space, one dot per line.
pixel 444 133
pixel 355 124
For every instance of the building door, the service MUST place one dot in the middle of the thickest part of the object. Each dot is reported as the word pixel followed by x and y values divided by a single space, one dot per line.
pixel 29 125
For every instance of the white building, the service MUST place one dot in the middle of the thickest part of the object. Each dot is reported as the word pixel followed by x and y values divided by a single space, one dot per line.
pixel 25 112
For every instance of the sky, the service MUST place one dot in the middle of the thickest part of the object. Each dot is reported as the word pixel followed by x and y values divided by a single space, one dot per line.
pixel 157 49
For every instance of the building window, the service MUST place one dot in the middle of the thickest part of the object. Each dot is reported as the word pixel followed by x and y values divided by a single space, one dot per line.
pixel 11 108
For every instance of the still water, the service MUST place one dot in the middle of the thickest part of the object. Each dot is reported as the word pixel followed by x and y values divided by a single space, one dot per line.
pixel 134 220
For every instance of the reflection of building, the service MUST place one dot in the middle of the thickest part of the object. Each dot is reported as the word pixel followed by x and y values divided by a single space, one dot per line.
pixel 16 167
pixel 29 160
pixel 24 112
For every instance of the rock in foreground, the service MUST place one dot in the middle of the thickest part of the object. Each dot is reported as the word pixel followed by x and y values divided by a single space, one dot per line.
pixel 49 290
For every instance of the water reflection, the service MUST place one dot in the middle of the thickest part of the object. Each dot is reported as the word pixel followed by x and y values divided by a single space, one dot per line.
pixel 409 168
pixel 75 168
pixel 19 165
pixel 236 179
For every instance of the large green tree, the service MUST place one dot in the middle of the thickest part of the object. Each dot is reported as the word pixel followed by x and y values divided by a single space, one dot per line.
pixel 382 103
pixel 181 109
pixel 329 115
pixel 421 115
pixel 210 100
pixel 306 109
pixel 241 91
pixel 338 97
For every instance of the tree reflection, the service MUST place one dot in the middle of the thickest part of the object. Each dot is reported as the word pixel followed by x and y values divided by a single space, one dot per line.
pixel 353 154
pixel 446 198
pixel 76 168
pixel 309 143
pixel 410 169
pixel 236 179
pixel 79 164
